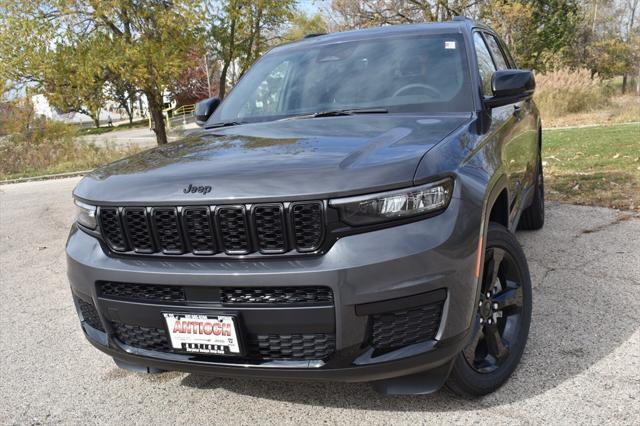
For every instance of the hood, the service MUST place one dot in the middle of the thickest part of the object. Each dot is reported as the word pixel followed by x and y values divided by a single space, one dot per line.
pixel 278 160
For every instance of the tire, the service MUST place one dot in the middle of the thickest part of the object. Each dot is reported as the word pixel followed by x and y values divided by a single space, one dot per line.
pixel 489 359
pixel 532 217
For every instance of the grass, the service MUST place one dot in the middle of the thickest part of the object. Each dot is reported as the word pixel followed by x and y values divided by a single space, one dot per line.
pixel 23 159
pixel 594 166
pixel 618 109
pixel 573 97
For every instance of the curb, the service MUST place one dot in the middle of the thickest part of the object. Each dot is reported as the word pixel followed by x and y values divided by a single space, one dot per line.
pixel 44 177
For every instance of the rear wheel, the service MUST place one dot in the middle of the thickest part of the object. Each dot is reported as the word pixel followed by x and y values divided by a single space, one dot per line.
pixel 533 216
pixel 501 324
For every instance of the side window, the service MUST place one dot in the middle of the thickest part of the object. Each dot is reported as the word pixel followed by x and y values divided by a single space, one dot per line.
pixel 485 63
pixel 501 61
pixel 267 97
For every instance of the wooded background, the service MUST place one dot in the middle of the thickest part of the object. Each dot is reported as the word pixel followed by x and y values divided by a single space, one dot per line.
pixel 80 54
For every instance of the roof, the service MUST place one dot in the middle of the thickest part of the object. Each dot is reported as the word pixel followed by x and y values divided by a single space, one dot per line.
pixel 458 25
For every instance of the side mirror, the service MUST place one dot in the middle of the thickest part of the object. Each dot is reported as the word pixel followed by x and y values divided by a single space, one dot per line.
pixel 510 86
pixel 204 109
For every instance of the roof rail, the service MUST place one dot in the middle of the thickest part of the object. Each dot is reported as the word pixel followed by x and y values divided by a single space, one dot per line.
pixel 314 35
pixel 461 18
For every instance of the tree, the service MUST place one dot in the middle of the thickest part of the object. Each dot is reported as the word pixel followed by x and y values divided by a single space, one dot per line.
pixel 194 83
pixel 123 93
pixel 152 40
pixel 350 14
pixel 145 42
pixel 631 39
pixel 302 25
pixel 73 79
pixel 534 30
pixel 606 40
pixel 241 30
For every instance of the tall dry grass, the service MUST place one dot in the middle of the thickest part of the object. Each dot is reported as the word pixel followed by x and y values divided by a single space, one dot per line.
pixel 39 147
pixel 566 91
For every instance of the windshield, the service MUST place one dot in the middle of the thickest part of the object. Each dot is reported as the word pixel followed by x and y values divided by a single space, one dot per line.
pixel 426 73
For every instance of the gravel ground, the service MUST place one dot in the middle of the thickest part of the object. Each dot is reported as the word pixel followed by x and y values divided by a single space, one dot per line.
pixel 582 363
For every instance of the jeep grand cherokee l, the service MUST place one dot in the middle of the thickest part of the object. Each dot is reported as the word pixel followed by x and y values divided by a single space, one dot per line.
pixel 346 214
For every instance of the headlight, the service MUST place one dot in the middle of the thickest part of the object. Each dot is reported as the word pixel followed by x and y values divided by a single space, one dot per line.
pixel 86 215
pixel 375 208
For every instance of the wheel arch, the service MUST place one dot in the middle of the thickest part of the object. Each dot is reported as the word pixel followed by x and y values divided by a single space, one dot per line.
pixel 497 196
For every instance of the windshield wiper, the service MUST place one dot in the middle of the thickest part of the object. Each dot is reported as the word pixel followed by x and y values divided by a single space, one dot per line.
pixel 340 112
pixel 225 124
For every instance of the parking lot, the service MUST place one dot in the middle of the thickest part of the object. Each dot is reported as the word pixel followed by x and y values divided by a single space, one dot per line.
pixel 581 365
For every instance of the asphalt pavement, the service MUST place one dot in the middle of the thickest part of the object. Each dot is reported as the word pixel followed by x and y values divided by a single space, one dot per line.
pixel 581 365
pixel 142 137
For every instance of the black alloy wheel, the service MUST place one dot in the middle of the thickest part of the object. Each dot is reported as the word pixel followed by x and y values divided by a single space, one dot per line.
pixel 500 328
pixel 499 312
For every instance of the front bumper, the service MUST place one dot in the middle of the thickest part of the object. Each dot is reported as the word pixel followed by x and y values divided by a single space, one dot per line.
pixel 388 270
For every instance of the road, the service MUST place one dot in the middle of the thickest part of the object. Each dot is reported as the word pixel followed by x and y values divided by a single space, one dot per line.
pixel 139 136
pixel 582 363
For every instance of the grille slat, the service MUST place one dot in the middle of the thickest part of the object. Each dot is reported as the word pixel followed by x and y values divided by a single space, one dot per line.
pixel 149 292
pixel 260 347
pixel 292 346
pixel 229 296
pixel 167 230
pixel 197 222
pixel 232 223
pixel 90 314
pixel 276 295
pixel 112 228
pixel 151 339
pixel 307 225
pixel 138 230
pixel 268 229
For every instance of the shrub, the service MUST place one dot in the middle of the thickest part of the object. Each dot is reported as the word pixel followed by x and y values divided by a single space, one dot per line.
pixel 569 91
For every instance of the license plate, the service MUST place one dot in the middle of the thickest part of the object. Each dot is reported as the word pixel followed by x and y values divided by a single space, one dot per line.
pixel 204 334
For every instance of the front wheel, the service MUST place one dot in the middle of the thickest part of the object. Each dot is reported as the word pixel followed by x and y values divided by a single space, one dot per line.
pixel 503 315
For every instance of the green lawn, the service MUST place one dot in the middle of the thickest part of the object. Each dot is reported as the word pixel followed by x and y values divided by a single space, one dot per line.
pixel 594 165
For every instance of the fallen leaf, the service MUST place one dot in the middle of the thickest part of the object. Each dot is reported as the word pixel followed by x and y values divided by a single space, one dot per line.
pixel 616 156
pixel 42 247
pixel 576 187
pixel 544 163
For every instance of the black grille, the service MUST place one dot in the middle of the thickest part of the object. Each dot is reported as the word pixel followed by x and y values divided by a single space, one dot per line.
pixel 197 222
pixel 232 230
pixel 90 315
pixel 397 329
pixel 112 229
pixel 260 347
pixel 142 291
pixel 276 295
pixel 292 346
pixel 168 230
pixel 270 231
pixel 137 226
pixel 152 339
pixel 307 226
pixel 232 222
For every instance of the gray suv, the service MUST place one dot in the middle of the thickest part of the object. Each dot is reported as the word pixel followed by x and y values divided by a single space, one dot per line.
pixel 346 214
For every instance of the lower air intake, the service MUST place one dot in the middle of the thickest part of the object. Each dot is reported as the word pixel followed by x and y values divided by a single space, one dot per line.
pixel 402 328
